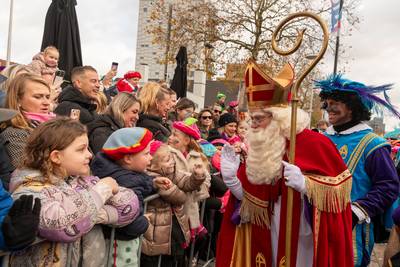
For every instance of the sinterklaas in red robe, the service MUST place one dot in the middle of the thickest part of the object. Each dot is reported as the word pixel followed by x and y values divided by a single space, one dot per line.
pixel 328 184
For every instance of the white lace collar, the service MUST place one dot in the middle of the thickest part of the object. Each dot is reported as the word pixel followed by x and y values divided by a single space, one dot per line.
pixel 357 128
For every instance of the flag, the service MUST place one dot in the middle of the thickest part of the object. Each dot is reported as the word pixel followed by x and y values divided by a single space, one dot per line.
pixel 336 15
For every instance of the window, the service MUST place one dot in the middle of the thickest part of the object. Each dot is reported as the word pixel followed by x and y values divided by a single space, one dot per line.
pixel 154 53
pixel 156 73
pixel 145 9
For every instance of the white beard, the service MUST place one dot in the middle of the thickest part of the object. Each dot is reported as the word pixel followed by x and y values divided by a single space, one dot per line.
pixel 266 149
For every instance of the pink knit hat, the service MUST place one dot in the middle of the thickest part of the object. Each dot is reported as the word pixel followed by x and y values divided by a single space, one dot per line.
pixel 188 127
pixel 154 146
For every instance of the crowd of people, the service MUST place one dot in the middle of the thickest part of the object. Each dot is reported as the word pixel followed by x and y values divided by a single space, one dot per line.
pixel 79 158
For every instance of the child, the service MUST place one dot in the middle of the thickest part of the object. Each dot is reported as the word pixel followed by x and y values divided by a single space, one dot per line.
pixel 243 127
pixel 46 63
pixel 125 157
pixel 54 170
pixel 168 233
pixel 187 154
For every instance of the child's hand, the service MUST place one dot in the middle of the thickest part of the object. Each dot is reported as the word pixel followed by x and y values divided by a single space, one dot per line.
pixel 109 181
pixel 198 170
pixel 162 183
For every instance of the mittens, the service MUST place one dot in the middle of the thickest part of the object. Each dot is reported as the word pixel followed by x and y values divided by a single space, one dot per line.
pixel 20 226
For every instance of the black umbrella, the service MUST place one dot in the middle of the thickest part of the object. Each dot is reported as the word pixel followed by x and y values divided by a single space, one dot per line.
pixel 179 82
pixel 62 31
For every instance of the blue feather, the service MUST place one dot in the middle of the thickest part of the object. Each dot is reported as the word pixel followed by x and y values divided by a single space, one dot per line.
pixel 367 94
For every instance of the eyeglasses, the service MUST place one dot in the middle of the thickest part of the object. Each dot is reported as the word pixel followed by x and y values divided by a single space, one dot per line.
pixel 206 117
pixel 259 119
pixel 217 111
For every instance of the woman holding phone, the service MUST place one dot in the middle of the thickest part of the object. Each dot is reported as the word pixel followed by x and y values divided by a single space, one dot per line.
pixel 29 95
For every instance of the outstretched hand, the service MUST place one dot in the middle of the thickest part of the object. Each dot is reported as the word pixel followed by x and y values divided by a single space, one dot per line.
pixel 230 161
pixel 162 183
pixel 20 226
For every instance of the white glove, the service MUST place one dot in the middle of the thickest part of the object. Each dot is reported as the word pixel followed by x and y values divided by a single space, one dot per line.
pixel 293 177
pixel 230 162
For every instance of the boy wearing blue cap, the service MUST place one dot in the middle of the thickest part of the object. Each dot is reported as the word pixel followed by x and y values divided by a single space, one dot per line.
pixel 125 157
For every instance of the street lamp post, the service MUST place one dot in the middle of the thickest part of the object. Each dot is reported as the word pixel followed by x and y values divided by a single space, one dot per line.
pixel 10 33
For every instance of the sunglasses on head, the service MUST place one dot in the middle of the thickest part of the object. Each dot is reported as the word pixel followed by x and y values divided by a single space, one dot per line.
pixel 206 117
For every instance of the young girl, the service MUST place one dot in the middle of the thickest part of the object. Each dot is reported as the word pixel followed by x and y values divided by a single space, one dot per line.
pixel 168 233
pixel 46 63
pixel 242 130
pixel 55 169
pixel 187 154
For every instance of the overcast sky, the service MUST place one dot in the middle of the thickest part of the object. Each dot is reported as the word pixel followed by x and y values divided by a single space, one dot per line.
pixel 108 32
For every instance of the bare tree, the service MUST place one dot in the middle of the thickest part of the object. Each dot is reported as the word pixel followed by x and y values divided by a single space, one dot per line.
pixel 239 29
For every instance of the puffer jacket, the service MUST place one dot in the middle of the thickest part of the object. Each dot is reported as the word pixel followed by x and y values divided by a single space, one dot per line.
pixel 154 124
pixel 72 98
pixel 100 129
pixel 68 214
pixel 39 66
pixel 191 206
pixel 160 212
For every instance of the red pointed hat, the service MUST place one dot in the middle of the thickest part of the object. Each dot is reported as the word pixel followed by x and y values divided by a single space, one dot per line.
pixel 262 90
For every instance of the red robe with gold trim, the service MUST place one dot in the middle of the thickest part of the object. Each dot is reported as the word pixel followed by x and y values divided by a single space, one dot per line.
pixel 328 184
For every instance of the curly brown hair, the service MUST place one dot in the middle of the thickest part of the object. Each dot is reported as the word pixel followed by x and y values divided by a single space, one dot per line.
pixel 52 135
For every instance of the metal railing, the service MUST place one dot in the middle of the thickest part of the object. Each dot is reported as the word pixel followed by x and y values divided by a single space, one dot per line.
pixel 192 261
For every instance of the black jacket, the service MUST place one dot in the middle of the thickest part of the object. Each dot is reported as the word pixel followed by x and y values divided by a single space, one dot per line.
pixel 100 129
pixel 154 124
pixel 140 183
pixel 72 98
pixel 6 168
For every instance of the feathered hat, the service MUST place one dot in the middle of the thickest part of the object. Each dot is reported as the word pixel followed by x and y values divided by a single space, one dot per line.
pixel 367 94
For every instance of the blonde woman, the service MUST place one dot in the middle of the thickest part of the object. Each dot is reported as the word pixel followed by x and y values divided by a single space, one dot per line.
pixel 10 73
pixel 123 111
pixel 156 102
pixel 29 95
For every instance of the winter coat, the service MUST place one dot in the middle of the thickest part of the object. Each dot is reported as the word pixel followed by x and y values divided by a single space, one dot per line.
pixel 72 98
pixel 154 124
pixel 100 129
pixel 158 237
pixel 5 205
pixel 15 141
pixel 6 168
pixel 191 206
pixel 140 183
pixel 69 211
pixel 38 65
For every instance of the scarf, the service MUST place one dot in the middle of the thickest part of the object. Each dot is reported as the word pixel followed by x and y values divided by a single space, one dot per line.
pixel 40 117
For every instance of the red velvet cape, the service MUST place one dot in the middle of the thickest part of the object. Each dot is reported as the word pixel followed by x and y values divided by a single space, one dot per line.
pixel 325 172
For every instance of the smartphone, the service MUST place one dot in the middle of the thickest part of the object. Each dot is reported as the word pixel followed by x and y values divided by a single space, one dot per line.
pixel 75 113
pixel 114 66
pixel 59 76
